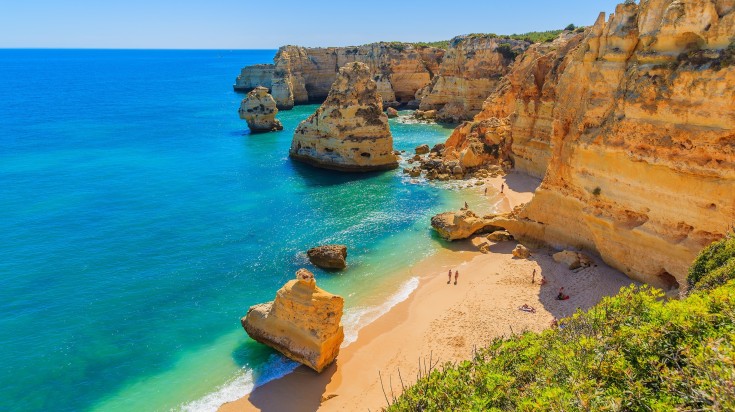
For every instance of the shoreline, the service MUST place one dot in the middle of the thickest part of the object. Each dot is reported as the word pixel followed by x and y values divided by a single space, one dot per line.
pixel 441 321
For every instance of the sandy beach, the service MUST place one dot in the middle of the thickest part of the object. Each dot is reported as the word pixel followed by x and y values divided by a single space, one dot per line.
pixel 442 321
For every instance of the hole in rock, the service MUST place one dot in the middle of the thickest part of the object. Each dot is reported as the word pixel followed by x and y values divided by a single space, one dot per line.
pixel 668 280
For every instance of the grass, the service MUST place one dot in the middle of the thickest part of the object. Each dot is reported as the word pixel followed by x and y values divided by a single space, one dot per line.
pixel 635 351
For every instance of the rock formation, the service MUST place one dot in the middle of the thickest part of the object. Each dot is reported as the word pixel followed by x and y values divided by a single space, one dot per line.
pixel 303 322
pixel 328 256
pixel 349 132
pixel 470 70
pixel 303 75
pixel 521 252
pixel 631 124
pixel 253 76
pixel 259 110
pixel 573 260
pixel 462 224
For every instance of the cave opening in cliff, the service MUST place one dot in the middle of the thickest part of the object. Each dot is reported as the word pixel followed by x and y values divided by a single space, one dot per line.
pixel 668 280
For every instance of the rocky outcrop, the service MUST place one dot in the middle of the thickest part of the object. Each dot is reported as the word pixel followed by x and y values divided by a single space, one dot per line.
pixel 462 224
pixel 521 252
pixel 391 112
pixel 349 132
pixel 328 256
pixel 253 76
pixel 304 75
pixel 471 69
pixel 303 322
pixel 573 260
pixel 259 110
pixel 631 124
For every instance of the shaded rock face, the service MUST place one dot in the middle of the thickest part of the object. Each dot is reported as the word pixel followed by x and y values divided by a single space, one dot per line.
pixel 573 260
pixel 521 252
pixel 350 131
pixel 303 75
pixel 253 76
pixel 328 256
pixel 631 125
pixel 471 69
pixel 259 110
pixel 303 322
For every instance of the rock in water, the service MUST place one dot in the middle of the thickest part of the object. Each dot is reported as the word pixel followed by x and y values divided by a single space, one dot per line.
pixel 349 132
pixel 303 322
pixel 328 256
pixel 259 110
pixel 423 149
pixel 391 112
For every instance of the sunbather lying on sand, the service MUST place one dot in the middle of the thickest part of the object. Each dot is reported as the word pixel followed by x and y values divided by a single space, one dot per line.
pixel 527 308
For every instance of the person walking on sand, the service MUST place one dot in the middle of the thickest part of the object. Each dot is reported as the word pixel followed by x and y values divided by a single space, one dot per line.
pixel 466 206
pixel 485 191
pixel 456 275
pixel 450 277
pixel 533 277
pixel 502 187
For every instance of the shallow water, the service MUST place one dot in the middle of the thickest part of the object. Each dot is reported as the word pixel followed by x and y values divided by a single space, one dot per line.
pixel 140 221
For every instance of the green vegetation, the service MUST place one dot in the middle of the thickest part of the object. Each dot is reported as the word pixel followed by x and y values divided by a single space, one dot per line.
pixel 507 51
pixel 634 351
pixel 442 44
pixel 597 191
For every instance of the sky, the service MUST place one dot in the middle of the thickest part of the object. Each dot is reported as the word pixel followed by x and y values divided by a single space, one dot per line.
pixel 268 24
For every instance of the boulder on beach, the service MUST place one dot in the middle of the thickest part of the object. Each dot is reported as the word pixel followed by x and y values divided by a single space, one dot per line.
pixel 391 112
pixel 259 110
pixel 573 260
pixel 328 256
pixel 521 252
pixel 423 149
pixel 500 236
pixel 304 322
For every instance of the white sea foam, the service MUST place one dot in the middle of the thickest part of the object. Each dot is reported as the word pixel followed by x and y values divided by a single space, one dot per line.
pixel 356 318
pixel 278 366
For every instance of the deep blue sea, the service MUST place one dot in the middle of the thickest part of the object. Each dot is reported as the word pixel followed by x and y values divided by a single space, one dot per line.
pixel 140 220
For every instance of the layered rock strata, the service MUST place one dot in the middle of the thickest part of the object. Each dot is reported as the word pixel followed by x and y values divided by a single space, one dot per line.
pixel 471 69
pixel 350 131
pixel 303 322
pixel 632 125
pixel 328 256
pixel 304 75
pixel 259 110
pixel 253 76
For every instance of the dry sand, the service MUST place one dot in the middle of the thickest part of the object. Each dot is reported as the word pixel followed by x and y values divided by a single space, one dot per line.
pixel 441 321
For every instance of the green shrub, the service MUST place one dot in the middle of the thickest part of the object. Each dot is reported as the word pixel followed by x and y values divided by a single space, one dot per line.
pixel 714 266
pixel 507 51
pixel 634 352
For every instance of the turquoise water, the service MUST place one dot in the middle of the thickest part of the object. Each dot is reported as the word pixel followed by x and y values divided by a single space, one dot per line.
pixel 140 221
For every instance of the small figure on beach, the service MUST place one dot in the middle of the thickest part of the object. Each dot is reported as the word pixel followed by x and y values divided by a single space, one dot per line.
pixel 533 276
pixel 526 308
pixel 561 295
pixel 450 277
pixel 456 275
pixel 485 191
pixel 502 187
pixel 554 323
pixel 542 281
pixel 466 206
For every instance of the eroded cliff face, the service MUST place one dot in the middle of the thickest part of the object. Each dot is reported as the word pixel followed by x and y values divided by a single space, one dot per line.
pixel 259 110
pixel 304 75
pixel 633 128
pixel 350 131
pixel 253 76
pixel 472 68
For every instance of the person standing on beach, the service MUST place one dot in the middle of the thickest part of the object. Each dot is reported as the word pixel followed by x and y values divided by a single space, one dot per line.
pixel 466 206
pixel 502 187
pixel 456 275
pixel 450 277
pixel 485 191
pixel 533 277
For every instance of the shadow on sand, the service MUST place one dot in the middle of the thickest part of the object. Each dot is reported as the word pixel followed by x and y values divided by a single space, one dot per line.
pixel 300 390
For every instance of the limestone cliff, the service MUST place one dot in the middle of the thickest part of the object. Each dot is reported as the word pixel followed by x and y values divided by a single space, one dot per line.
pixel 349 132
pixel 632 125
pixel 303 322
pixel 471 69
pixel 302 75
pixel 259 110
pixel 253 76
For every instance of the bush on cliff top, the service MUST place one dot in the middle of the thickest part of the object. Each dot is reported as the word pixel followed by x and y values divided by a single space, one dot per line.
pixel 633 351
pixel 714 266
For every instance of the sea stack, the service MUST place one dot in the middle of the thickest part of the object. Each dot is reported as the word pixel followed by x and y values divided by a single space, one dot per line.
pixel 350 131
pixel 259 110
pixel 304 323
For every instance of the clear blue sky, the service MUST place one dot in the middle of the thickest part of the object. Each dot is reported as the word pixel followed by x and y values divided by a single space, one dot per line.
pixel 267 24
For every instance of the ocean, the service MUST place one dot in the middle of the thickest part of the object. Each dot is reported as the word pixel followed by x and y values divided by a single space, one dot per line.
pixel 140 220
